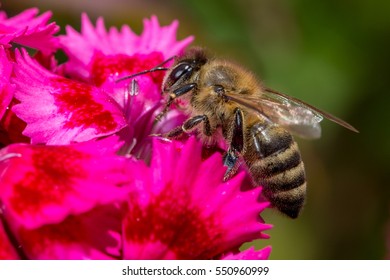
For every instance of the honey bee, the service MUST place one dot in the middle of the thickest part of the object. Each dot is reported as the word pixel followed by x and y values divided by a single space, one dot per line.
pixel 256 122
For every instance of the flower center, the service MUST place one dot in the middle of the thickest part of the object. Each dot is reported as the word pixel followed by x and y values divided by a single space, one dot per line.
pixel 104 66
pixel 173 220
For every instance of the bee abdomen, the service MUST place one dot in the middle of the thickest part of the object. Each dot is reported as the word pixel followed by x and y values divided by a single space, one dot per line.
pixel 282 175
pixel 277 163
pixel 289 202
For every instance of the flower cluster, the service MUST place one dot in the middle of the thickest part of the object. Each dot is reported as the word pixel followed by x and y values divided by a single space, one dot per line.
pixel 81 177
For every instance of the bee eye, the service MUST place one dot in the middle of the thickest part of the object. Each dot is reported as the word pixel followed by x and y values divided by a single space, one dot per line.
pixel 219 89
pixel 184 69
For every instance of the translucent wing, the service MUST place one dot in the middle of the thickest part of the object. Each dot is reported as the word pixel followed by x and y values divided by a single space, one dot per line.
pixel 293 114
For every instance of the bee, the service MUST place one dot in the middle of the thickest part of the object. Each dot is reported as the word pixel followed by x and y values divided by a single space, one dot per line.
pixel 255 121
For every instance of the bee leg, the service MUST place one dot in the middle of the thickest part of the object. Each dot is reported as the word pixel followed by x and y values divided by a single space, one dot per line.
pixel 236 144
pixel 172 96
pixel 256 142
pixel 237 140
pixel 190 124
pixel 230 161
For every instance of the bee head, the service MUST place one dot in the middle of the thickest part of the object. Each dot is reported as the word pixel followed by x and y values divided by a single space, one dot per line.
pixel 184 68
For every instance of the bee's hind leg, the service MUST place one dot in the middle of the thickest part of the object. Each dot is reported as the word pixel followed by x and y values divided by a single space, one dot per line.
pixel 236 147
pixel 230 161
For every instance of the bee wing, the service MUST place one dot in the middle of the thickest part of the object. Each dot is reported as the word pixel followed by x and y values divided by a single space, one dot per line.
pixel 297 119
pixel 293 114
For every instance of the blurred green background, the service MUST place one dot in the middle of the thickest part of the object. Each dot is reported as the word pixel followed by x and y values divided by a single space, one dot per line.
pixel 333 54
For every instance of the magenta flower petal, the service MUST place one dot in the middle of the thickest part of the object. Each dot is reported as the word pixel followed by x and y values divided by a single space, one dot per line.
pixel 58 110
pixel 250 254
pixel 160 38
pixel 29 30
pixel 183 210
pixel 6 89
pixel 90 235
pixel 7 251
pixel 119 46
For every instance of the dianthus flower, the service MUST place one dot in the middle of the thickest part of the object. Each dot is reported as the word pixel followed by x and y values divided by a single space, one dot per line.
pixel 29 30
pixel 82 177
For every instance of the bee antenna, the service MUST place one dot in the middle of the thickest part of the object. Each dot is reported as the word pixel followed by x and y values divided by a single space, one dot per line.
pixel 158 67
pixel 142 73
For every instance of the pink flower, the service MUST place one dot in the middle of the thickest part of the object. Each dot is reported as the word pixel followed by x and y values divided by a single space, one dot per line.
pixel 182 209
pixel 58 110
pixel 97 55
pixel 82 201
pixel 101 57
pixel 92 183
pixel 55 198
pixel 73 110
pixel 29 30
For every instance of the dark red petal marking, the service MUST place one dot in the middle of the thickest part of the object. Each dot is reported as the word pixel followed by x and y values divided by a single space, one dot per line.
pixel 175 223
pixel 75 100
pixel 51 177
pixel 104 66
pixel 92 229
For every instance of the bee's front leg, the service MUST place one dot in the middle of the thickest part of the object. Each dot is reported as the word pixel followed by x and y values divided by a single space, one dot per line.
pixel 175 94
pixel 189 125
pixel 236 147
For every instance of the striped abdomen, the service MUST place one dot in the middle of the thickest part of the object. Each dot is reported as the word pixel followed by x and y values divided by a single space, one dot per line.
pixel 274 161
